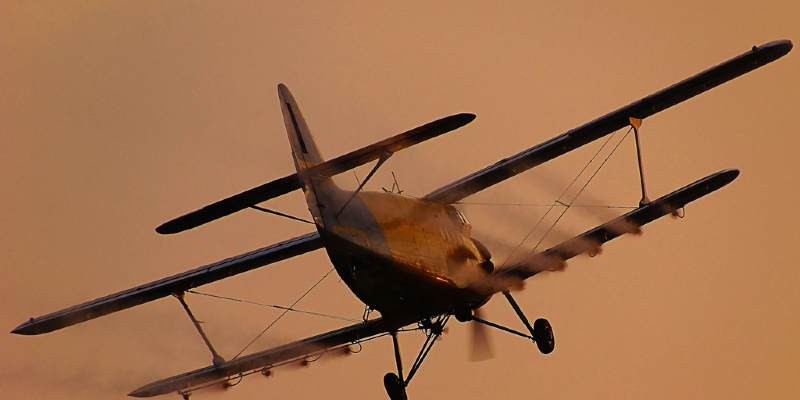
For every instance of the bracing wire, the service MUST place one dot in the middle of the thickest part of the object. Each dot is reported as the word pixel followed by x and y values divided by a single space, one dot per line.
pixel 273 306
pixel 282 314
pixel 582 189
pixel 543 205
pixel 557 202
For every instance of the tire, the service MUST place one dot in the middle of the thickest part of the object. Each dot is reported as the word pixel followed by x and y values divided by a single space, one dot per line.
pixel 394 387
pixel 543 334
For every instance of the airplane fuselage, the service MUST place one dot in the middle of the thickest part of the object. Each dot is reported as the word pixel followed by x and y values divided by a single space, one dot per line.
pixel 401 254
pixel 398 254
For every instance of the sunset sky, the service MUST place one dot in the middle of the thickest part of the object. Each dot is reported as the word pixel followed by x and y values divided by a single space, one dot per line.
pixel 118 116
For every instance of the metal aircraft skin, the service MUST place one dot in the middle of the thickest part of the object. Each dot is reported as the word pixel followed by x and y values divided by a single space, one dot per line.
pixel 411 259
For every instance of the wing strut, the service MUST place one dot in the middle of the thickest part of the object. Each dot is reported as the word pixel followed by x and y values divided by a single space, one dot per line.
pixel 613 121
pixel 174 284
pixel 216 358
pixel 384 156
pixel 635 124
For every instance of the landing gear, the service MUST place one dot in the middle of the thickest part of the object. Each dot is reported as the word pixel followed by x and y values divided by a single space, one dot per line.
pixel 541 331
pixel 543 335
pixel 394 383
pixel 395 388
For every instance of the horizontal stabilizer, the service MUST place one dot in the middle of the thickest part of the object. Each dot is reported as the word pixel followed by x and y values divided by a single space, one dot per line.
pixel 173 284
pixel 609 123
pixel 312 346
pixel 332 167
pixel 590 241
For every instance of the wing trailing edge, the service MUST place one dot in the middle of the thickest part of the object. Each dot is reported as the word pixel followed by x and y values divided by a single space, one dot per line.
pixel 173 284
pixel 611 122
pixel 290 183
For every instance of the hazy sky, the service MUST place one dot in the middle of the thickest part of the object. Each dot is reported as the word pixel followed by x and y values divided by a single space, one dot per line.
pixel 118 116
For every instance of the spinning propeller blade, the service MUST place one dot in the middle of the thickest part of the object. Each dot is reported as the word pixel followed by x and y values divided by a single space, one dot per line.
pixel 480 344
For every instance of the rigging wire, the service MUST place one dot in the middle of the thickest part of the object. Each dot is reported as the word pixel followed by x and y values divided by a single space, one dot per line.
pixel 282 314
pixel 280 214
pixel 273 306
pixel 582 189
pixel 555 203
pixel 545 205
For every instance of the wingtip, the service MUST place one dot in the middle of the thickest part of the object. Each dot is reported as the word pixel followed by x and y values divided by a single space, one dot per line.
pixel 723 178
pixel 138 393
pixel 468 117
pixel 783 43
pixel 778 48
pixel 733 173
pixel 164 229
pixel 19 330
pixel 27 329
pixel 462 119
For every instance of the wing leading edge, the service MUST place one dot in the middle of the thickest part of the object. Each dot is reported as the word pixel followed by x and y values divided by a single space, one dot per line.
pixel 600 127
pixel 173 284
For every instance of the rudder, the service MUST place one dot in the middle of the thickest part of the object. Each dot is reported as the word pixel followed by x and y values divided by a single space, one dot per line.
pixel 306 155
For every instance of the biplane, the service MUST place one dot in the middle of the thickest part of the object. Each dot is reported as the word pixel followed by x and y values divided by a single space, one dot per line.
pixel 413 260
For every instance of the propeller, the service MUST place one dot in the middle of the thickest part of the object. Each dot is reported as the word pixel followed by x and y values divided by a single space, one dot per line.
pixel 480 344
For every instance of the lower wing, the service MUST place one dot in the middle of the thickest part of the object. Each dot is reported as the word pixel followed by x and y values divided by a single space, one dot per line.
pixel 553 258
pixel 263 361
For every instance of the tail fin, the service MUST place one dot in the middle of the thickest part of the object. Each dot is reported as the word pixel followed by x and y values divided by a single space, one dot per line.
pixel 320 191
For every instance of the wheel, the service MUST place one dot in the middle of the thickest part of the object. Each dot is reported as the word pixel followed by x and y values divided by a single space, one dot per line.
pixel 395 388
pixel 543 334
pixel 464 314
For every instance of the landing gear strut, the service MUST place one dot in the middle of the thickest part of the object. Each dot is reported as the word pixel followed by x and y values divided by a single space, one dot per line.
pixel 541 332
pixel 394 383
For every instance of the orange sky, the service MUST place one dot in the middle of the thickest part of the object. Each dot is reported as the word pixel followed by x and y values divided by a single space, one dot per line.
pixel 118 116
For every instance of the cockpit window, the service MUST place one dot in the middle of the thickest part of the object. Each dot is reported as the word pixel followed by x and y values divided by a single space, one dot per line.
pixel 457 216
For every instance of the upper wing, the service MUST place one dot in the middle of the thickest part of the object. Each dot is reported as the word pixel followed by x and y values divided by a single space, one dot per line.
pixel 611 122
pixel 312 346
pixel 173 284
pixel 332 167
pixel 553 258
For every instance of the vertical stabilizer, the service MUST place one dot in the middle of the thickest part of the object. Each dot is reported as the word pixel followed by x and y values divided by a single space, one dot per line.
pixel 320 191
